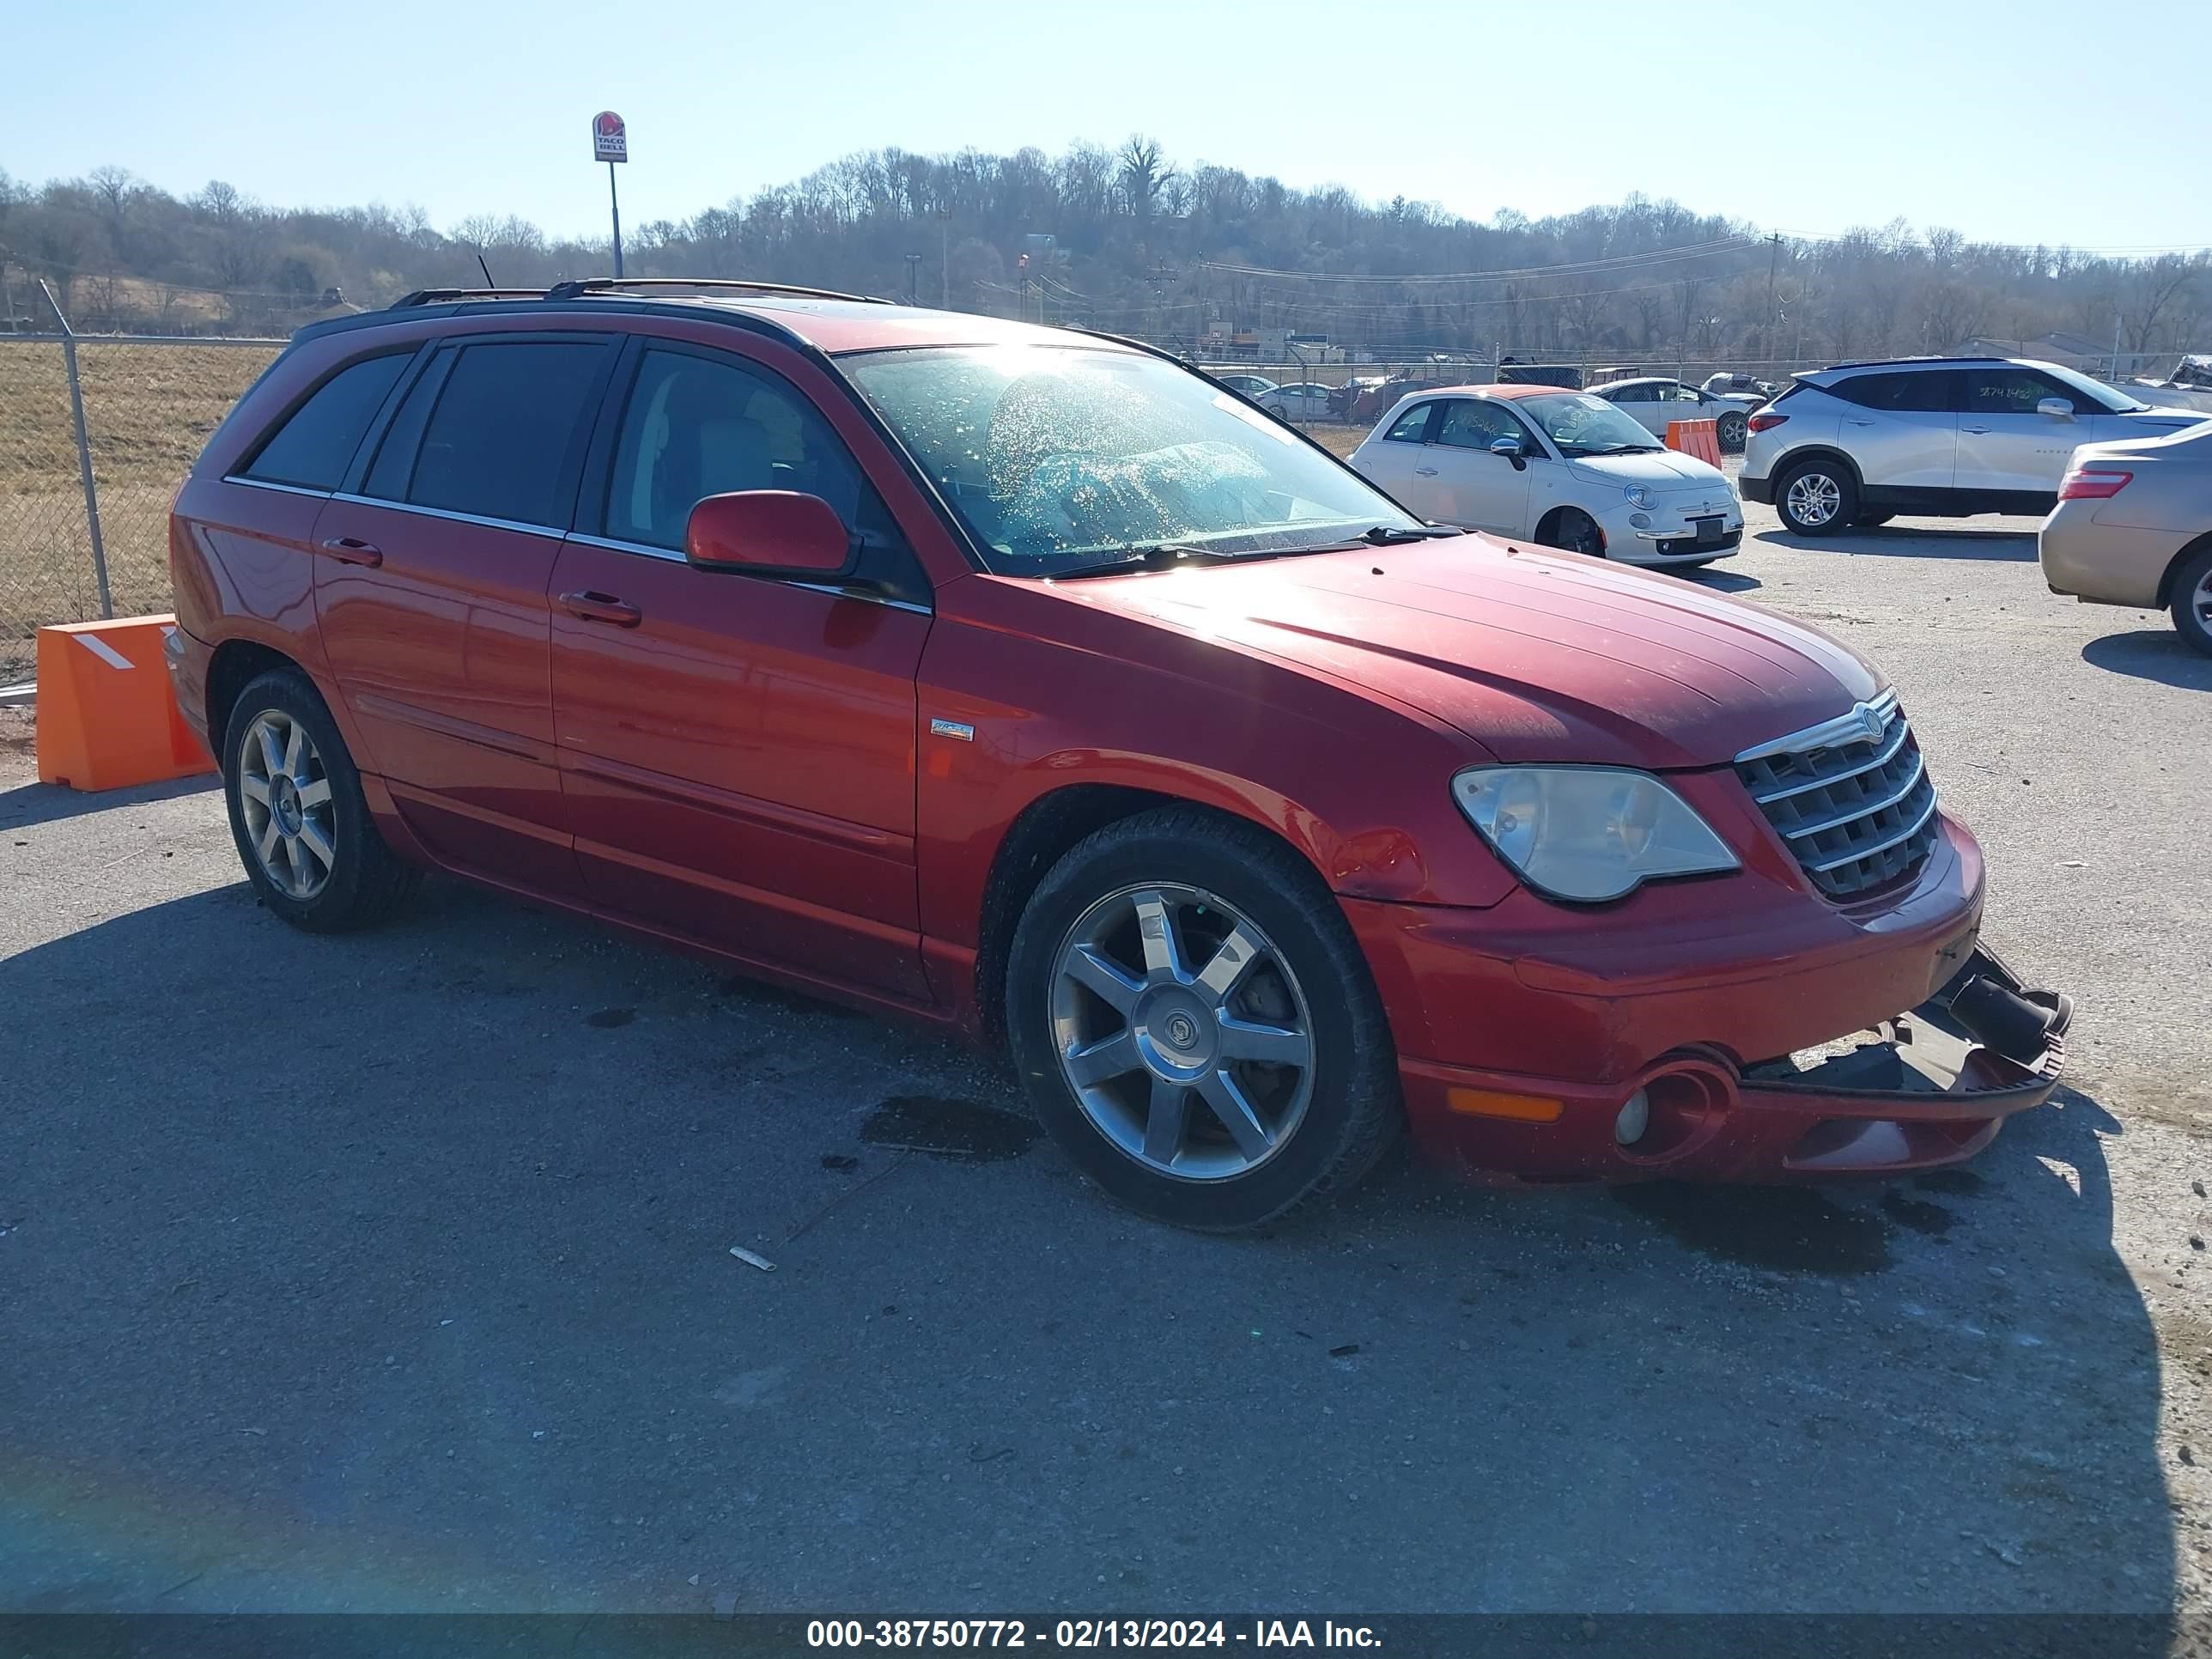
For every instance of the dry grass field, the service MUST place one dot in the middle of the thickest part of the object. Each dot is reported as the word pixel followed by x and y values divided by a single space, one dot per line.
pixel 148 410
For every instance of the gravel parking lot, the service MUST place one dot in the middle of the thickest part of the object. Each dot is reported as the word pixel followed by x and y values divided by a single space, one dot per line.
pixel 394 1272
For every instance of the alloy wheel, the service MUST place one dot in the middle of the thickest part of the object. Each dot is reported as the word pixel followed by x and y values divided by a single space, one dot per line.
pixel 1813 498
pixel 1181 1032
pixel 285 794
pixel 2201 602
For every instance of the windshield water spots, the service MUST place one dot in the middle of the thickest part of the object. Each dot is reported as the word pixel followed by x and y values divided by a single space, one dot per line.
pixel 1054 457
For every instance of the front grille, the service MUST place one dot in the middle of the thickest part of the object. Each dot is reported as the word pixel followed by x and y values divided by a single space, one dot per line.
pixel 1856 809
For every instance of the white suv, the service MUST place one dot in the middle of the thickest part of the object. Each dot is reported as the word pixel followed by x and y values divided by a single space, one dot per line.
pixel 1860 443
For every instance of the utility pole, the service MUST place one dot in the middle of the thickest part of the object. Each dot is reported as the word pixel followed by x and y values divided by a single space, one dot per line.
pixel 913 278
pixel 945 257
pixel 1773 258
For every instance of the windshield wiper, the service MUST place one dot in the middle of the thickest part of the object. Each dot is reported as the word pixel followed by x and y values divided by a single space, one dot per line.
pixel 1164 555
pixel 1383 535
pixel 1620 449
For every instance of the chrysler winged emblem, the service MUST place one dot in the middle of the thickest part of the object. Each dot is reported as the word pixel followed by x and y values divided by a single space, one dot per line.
pixel 1869 723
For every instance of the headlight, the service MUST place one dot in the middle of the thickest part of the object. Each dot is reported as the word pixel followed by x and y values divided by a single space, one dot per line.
pixel 1587 832
pixel 1638 496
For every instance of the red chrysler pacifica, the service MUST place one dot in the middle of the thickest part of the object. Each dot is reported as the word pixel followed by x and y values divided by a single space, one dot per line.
pixel 1031 682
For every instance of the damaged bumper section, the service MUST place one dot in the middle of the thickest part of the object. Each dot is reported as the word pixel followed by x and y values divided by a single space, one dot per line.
pixel 1927 1088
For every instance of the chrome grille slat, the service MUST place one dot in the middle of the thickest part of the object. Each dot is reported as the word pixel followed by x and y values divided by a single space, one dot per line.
pixel 1888 754
pixel 1857 812
pixel 1842 818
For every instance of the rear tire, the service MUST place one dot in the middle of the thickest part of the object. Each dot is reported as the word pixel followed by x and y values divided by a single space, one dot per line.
pixel 297 813
pixel 1152 970
pixel 2192 601
pixel 1574 531
pixel 1817 497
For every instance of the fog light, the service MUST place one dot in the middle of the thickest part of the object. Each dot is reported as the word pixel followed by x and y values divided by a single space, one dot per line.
pixel 1635 1117
pixel 1640 520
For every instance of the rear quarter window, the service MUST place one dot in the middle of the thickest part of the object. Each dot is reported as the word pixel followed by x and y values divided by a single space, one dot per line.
pixel 313 447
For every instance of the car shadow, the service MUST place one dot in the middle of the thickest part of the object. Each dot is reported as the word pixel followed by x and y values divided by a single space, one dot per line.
pixel 334 1266
pixel 2152 653
pixel 44 802
pixel 1913 542
pixel 1724 582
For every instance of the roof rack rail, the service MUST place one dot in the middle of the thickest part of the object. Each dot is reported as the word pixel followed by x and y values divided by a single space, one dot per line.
pixel 436 296
pixel 578 287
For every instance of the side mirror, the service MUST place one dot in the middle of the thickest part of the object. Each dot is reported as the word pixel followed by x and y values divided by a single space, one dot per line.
pixel 1511 448
pixel 2057 408
pixel 768 532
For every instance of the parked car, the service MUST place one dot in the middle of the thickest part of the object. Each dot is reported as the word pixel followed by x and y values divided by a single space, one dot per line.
pixel 2134 526
pixel 1563 469
pixel 1052 691
pixel 1860 443
pixel 1301 400
pixel 1728 385
pixel 1653 401
pixel 1252 386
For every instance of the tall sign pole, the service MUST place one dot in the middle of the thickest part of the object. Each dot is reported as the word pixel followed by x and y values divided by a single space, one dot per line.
pixel 610 144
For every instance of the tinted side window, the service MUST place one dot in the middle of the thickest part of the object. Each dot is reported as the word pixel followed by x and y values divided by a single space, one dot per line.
pixel 1477 424
pixel 1921 392
pixel 1410 426
pixel 696 427
pixel 497 442
pixel 1633 394
pixel 2006 390
pixel 314 448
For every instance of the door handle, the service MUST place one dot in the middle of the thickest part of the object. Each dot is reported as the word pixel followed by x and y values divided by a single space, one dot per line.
pixel 351 549
pixel 1425 472
pixel 1977 430
pixel 602 607
pixel 1852 422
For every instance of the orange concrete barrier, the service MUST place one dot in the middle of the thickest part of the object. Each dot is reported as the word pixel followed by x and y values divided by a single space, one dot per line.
pixel 1700 438
pixel 107 717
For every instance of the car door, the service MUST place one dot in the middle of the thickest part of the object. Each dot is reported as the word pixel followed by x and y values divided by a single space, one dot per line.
pixel 1398 460
pixel 1478 489
pixel 738 752
pixel 431 600
pixel 2004 443
pixel 1900 428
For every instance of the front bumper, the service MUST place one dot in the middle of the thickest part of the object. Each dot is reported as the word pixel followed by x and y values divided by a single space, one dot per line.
pixel 1669 532
pixel 1524 1029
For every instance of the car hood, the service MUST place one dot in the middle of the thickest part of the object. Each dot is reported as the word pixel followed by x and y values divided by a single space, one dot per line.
pixel 1662 469
pixel 1537 655
pixel 2153 422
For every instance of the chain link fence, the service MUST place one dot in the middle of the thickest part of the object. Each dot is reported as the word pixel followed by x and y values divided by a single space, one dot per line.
pixel 148 404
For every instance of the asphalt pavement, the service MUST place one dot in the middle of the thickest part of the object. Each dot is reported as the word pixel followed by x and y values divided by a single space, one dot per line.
pixel 394 1272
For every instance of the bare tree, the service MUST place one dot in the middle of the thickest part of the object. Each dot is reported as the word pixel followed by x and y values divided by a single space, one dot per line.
pixel 1144 172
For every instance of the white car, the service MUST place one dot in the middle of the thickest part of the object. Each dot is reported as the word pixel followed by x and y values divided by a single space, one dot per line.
pixel 1301 400
pixel 1252 386
pixel 1651 401
pixel 1560 468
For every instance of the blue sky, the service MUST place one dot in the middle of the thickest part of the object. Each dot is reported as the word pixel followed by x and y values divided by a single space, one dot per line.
pixel 2036 120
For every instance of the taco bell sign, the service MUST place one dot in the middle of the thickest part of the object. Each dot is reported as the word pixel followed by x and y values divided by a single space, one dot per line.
pixel 610 137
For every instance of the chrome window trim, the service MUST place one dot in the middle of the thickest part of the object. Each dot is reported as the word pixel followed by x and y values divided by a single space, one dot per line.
pixel 448 514
pixel 270 483
pixel 1888 753
pixel 1864 809
pixel 645 550
pixel 1844 728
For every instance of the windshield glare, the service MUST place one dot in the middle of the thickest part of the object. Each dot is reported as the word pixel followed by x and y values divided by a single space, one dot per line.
pixel 1057 456
pixel 2101 395
pixel 1583 425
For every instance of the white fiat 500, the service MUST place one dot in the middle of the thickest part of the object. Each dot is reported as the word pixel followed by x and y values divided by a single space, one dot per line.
pixel 1560 468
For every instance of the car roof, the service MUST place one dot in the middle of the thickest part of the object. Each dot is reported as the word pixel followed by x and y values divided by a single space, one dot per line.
pixel 829 324
pixel 1497 389
pixel 1636 380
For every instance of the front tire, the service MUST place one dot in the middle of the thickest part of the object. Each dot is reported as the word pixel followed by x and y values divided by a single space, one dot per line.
pixel 1732 434
pixel 1196 1025
pixel 1573 529
pixel 296 811
pixel 2192 601
pixel 1817 497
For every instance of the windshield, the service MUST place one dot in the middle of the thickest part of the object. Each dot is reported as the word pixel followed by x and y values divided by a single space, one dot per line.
pixel 1055 455
pixel 2098 393
pixel 1583 425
